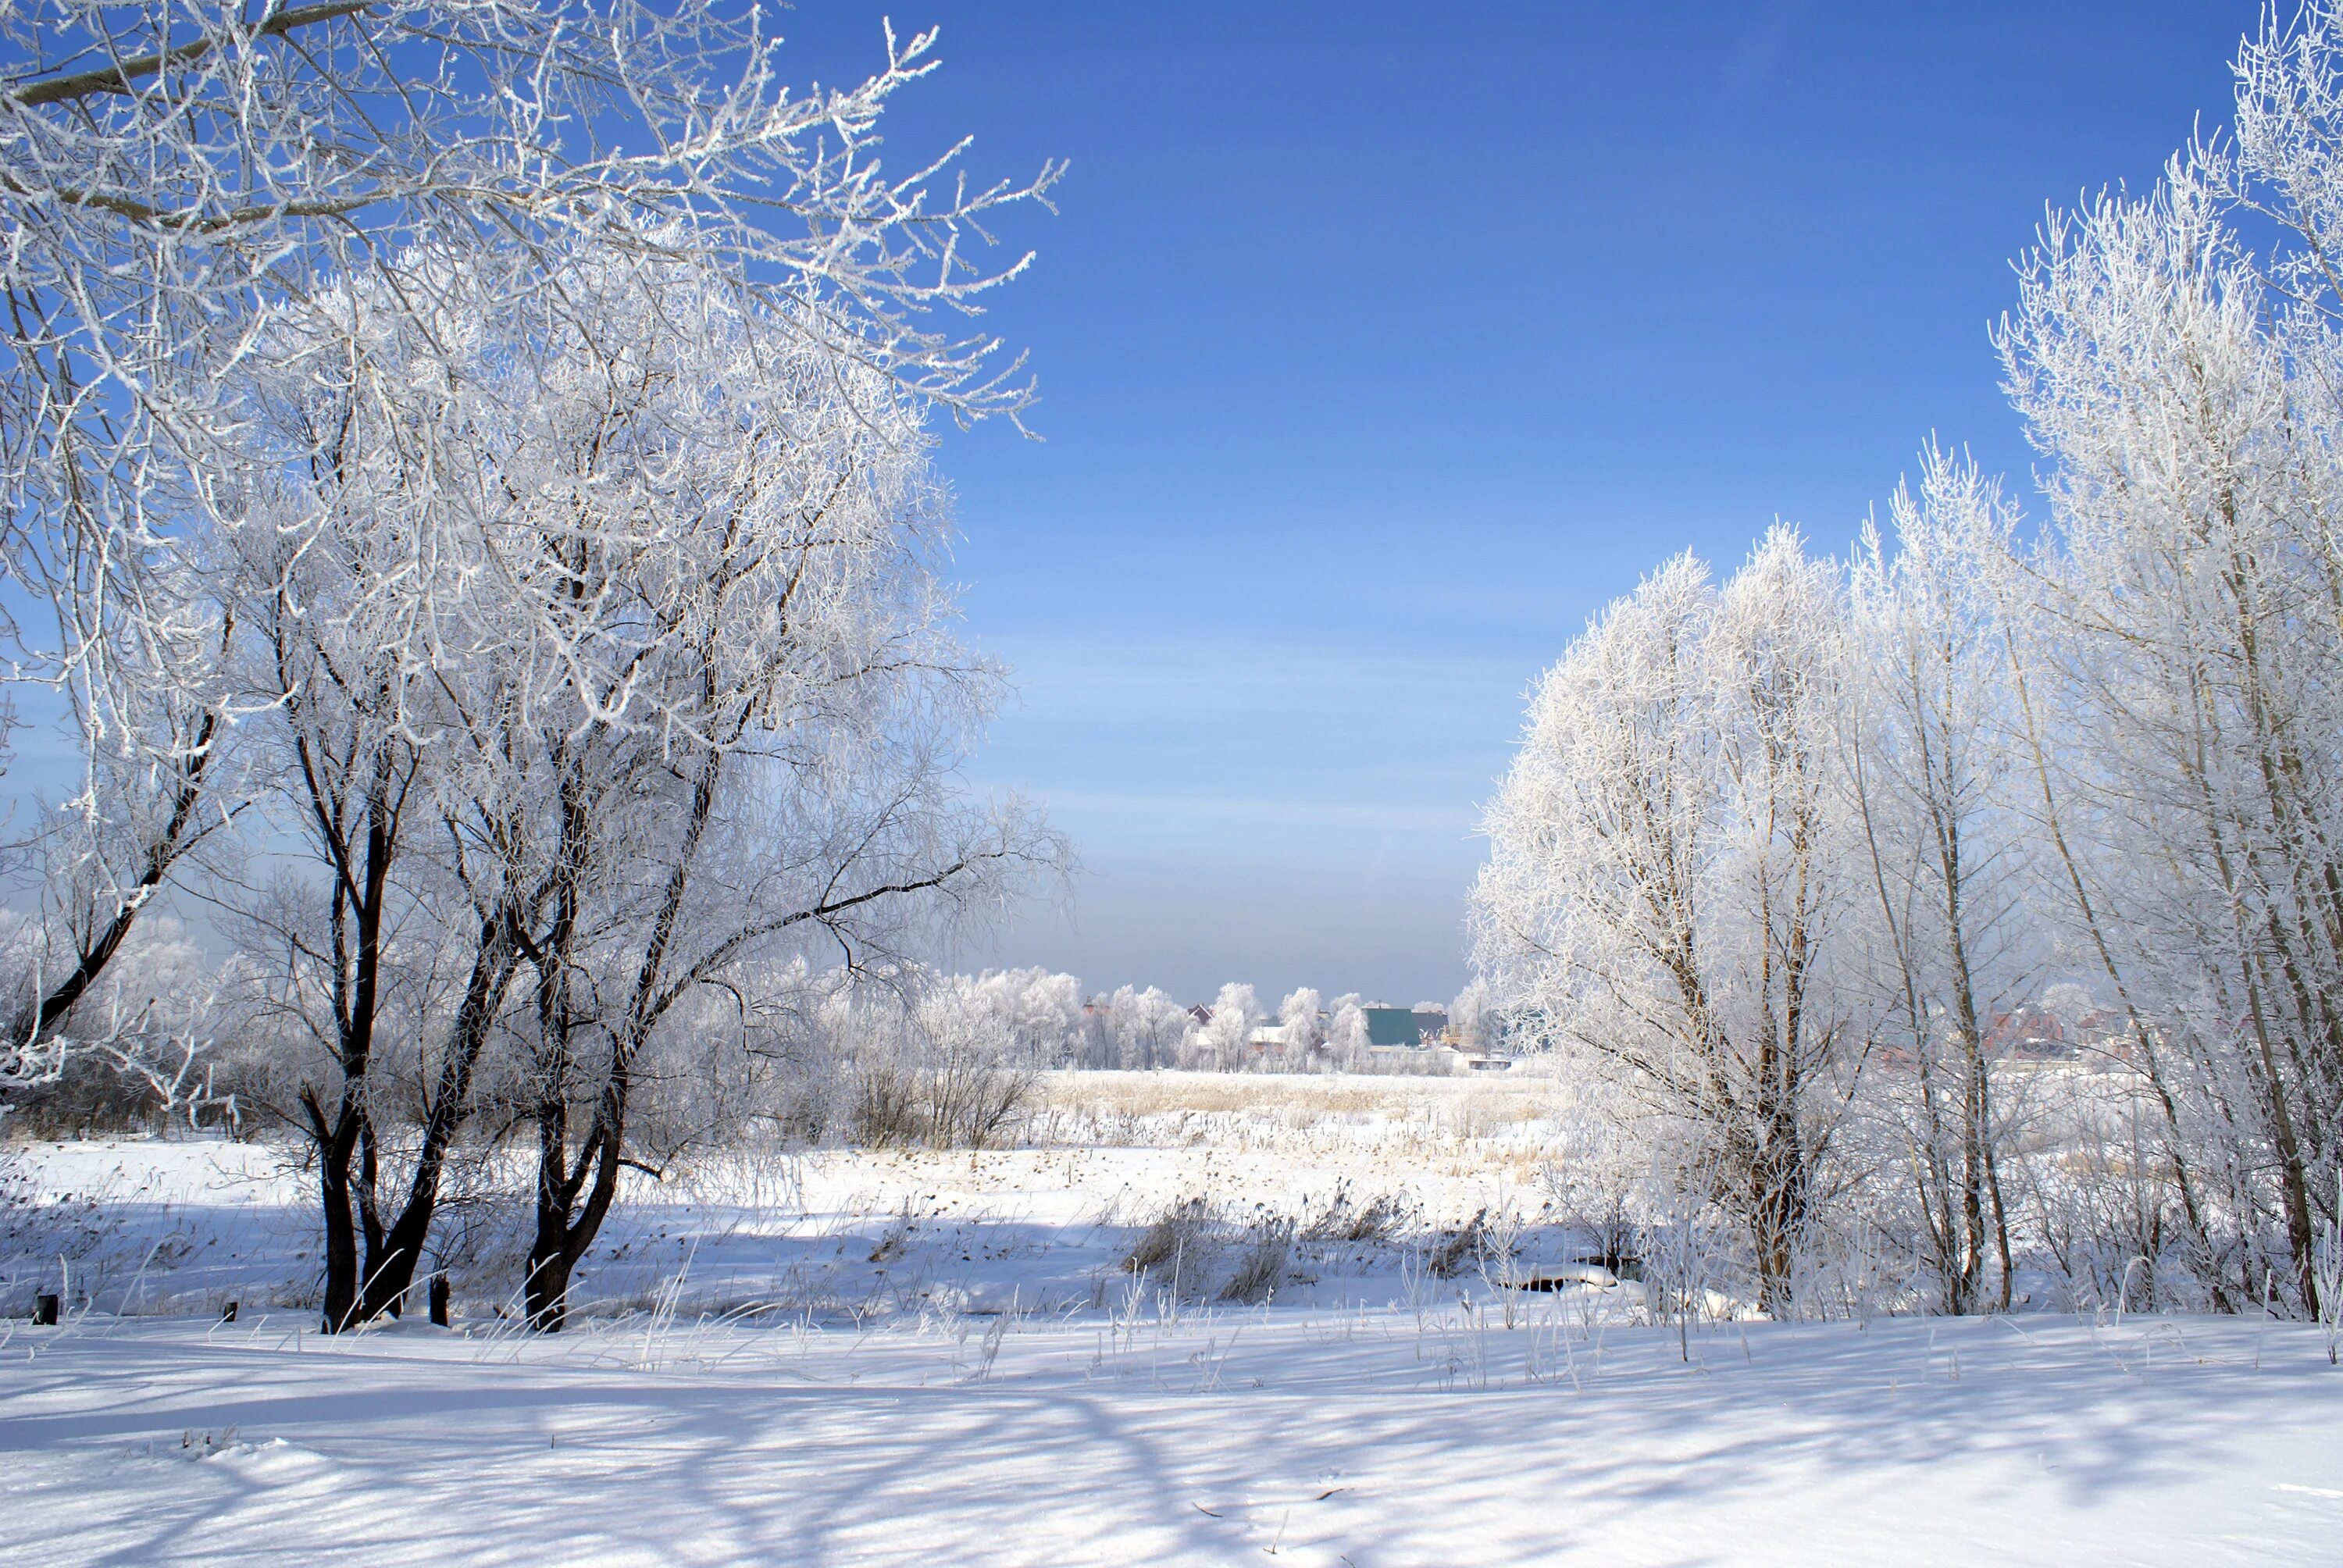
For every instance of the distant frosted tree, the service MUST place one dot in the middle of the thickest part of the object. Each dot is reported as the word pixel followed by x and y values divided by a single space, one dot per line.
pixel 1469 1016
pixel 1220 1044
pixel 1298 1014
pixel 1346 1032
pixel 1042 1010
pixel 1146 1028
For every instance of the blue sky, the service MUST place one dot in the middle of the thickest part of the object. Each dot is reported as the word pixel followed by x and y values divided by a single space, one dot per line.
pixel 1380 344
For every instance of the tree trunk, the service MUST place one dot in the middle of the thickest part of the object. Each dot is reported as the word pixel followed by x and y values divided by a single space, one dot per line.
pixel 1778 1212
pixel 546 1293
pixel 391 1271
pixel 334 1141
pixel 341 1240
pixel 560 1241
pixel 550 1264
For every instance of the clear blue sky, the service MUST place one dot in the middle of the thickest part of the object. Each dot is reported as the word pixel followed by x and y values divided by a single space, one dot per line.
pixel 1379 345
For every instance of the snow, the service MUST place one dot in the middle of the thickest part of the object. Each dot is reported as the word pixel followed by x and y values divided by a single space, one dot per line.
pixel 978 1383
pixel 186 1226
pixel 1334 1438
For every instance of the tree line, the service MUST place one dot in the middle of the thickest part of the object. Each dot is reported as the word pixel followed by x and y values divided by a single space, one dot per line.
pixel 1777 850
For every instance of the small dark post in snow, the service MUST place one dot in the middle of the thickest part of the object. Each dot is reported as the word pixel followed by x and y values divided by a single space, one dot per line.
pixel 439 1300
pixel 45 1311
pixel 227 1314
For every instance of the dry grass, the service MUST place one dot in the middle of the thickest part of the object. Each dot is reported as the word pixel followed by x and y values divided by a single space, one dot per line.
pixel 1301 1098
pixel 1471 1127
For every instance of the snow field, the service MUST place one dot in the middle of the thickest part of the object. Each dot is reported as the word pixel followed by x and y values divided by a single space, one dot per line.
pixel 1373 1436
pixel 172 1227
pixel 883 1356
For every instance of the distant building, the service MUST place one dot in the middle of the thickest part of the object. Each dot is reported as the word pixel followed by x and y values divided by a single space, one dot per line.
pixel 2031 1033
pixel 1392 1027
pixel 1431 1026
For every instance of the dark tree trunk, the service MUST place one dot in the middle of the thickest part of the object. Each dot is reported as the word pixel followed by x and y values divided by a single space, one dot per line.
pixel 547 1296
pixel 334 1142
pixel 341 1244
pixel 562 1240
pixel 390 1272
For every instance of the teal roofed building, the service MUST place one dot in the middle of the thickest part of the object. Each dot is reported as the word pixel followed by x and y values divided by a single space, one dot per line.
pixel 1392 1026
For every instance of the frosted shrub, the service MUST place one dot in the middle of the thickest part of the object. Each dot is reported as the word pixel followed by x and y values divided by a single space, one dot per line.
pixel 2108 1216
pixel 941 1096
pixel 1463 1249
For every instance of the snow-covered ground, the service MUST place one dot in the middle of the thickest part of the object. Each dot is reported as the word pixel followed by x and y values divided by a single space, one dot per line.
pixel 1360 1438
pixel 151 1227
pixel 892 1357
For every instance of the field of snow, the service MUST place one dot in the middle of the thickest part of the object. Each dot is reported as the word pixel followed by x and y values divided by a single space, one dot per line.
pixel 886 1357
pixel 148 1227
pixel 1356 1438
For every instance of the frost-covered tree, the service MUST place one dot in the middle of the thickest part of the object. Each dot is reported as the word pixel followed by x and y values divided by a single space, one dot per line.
pixel 1669 872
pixel 358 566
pixel 719 708
pixel 1300 1015
pixel 2180 650
pixel 1042 1012
pixel 1146 1028
pixel 1220 1044
pixel 1346 1033
pixel 1471 1015
pixel 174 179
pixel 1935 787
pixel 304 305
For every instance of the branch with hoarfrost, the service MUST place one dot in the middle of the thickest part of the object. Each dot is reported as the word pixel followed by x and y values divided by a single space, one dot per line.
pixel 140 1041
pixel 183 187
